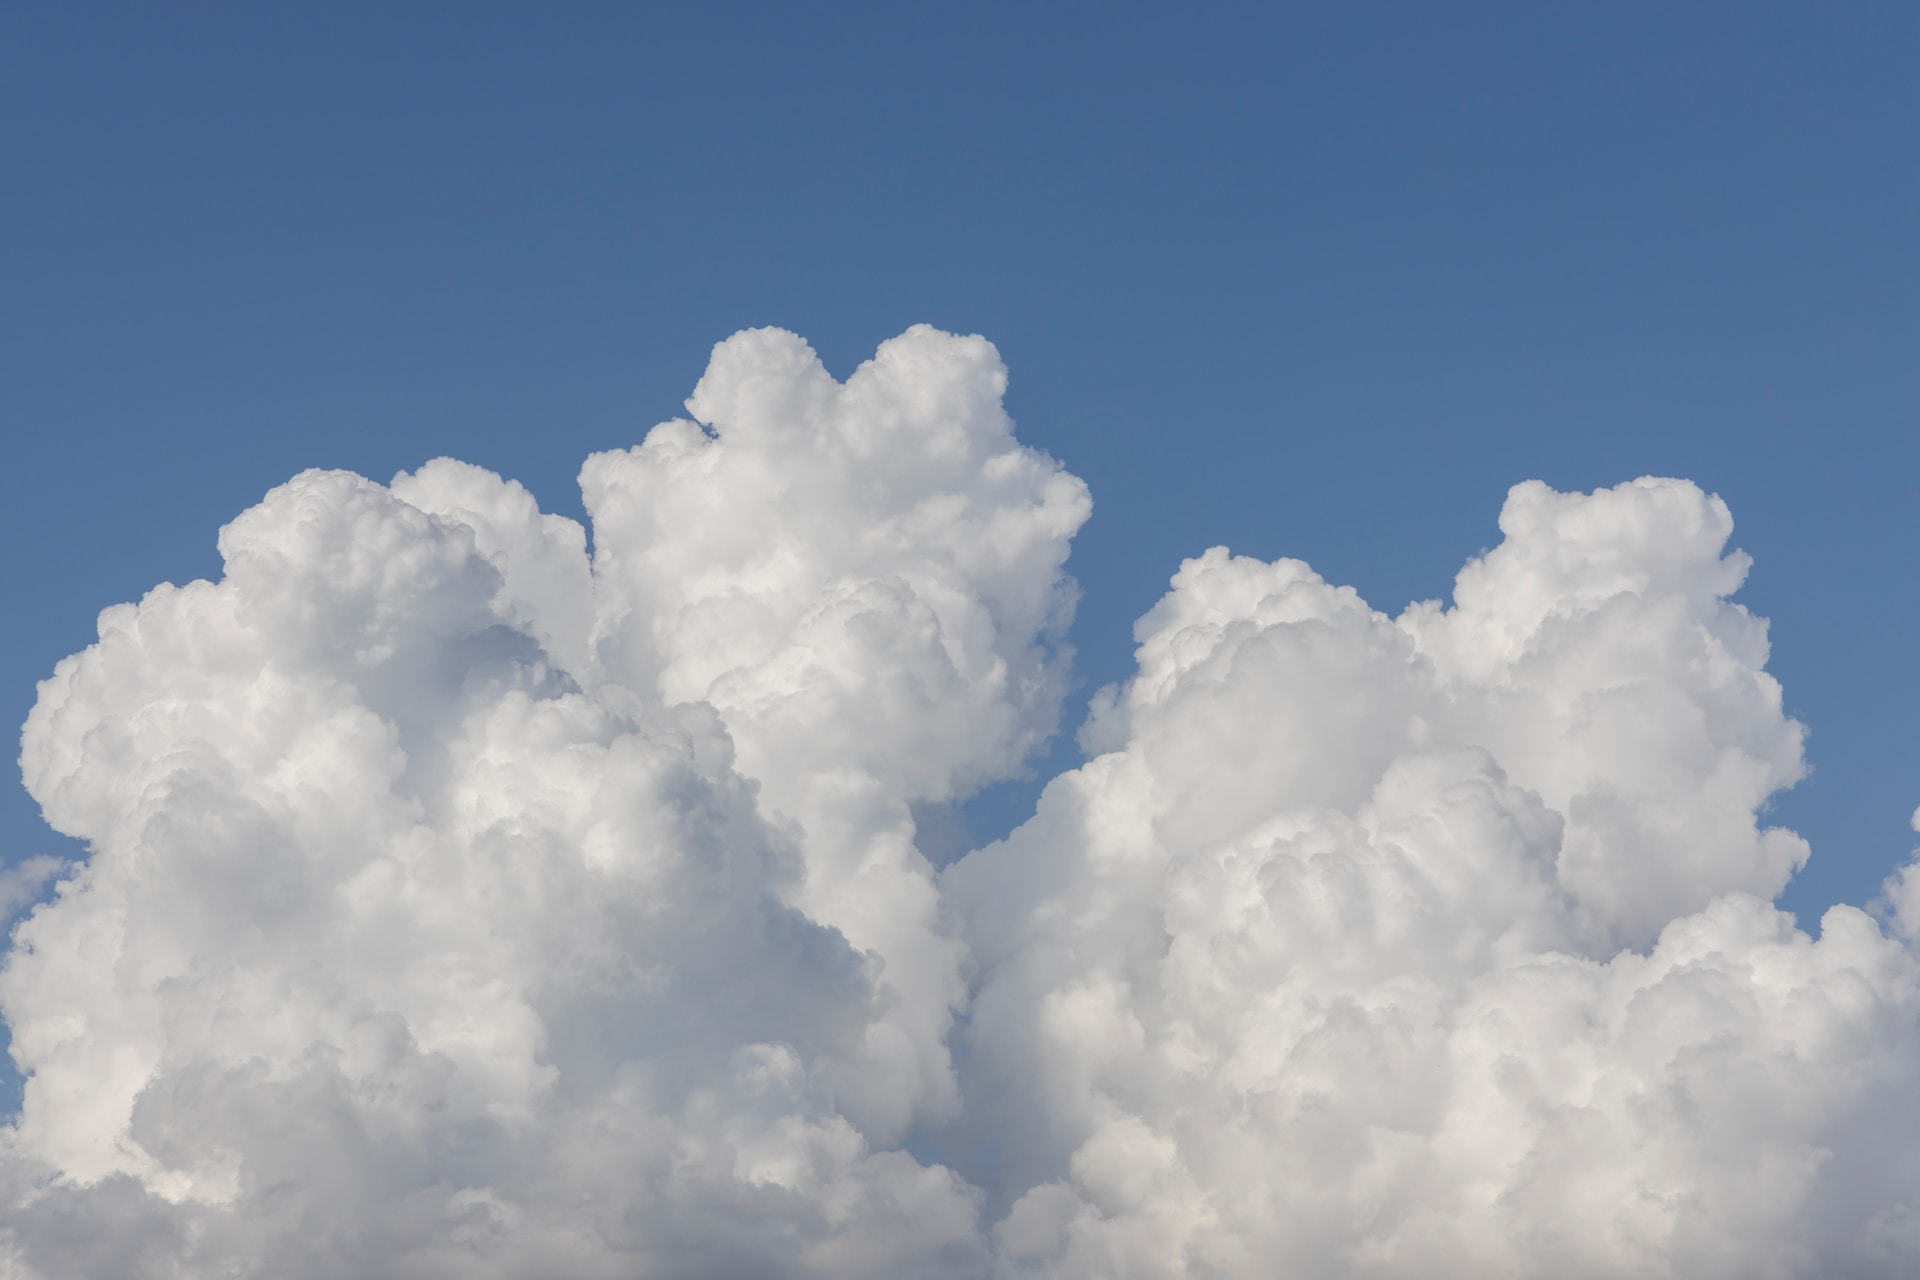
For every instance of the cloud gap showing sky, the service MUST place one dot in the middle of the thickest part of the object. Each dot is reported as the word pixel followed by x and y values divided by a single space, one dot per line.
pixel 472 892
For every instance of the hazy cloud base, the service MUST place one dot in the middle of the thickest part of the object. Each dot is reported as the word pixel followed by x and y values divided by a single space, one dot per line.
pixel 464 903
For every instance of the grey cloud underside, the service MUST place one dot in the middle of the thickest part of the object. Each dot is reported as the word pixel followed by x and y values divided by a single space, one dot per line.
pixel 464 904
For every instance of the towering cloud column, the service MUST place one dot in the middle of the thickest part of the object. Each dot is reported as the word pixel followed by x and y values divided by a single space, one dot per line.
pixel 866 582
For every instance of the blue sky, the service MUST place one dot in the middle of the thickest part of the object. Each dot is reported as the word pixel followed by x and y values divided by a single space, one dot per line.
pixel 1316 283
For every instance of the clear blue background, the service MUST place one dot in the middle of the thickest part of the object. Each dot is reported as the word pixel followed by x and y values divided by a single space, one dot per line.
pixel 1319 281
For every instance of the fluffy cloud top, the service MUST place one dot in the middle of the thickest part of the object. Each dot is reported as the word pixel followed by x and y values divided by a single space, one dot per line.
pixel 464 903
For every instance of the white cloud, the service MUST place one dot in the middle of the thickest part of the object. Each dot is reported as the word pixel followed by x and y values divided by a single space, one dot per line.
pixel 866 582
pixel 464 903
pixel 1438 945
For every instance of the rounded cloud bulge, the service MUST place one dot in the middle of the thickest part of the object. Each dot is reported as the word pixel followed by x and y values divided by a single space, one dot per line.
pixel 471 893
pixel 1442 945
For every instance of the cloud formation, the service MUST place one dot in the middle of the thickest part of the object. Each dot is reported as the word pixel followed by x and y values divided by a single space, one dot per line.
pixel 463 901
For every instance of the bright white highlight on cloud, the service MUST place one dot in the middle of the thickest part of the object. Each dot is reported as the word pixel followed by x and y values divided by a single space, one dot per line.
pixel 462 903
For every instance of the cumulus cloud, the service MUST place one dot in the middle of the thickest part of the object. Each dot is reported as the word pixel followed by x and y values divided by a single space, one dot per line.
pixel 471 896
pixel 1441 944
